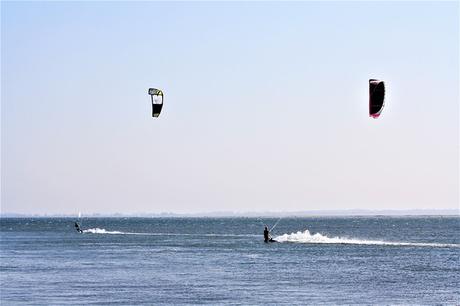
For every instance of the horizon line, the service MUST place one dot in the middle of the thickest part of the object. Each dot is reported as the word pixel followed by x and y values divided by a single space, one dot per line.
pixel 303 213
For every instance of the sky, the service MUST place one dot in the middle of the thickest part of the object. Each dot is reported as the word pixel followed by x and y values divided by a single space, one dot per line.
pixel 265 108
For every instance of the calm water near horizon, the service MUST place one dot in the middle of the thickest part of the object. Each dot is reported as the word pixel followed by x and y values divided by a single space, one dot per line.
pixel 318 260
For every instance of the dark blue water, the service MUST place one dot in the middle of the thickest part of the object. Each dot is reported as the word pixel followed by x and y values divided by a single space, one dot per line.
pixel 339 260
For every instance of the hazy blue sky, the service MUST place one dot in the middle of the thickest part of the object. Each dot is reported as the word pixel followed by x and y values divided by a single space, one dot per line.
pixel 266 106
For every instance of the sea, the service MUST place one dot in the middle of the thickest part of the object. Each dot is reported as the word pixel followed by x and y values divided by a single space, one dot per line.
pixel 352 260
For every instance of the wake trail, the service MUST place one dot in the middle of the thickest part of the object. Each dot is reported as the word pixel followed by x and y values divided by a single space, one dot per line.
pixel 104 231
pixel 306 237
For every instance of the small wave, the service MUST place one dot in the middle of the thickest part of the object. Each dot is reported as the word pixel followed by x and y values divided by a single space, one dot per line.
pixel 101 231
pixel 306 237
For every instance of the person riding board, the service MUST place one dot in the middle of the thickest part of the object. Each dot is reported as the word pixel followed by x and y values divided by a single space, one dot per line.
pixel 266 234
pixel 267 237
pixel 77 227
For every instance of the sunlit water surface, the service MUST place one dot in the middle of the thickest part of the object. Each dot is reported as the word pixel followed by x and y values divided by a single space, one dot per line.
pixel 318 260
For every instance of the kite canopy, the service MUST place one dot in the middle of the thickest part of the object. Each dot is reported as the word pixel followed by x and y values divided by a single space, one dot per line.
pixel 376 97
pixel 157 101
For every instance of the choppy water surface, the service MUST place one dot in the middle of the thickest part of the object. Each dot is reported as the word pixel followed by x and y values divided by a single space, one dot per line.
pixel 323 260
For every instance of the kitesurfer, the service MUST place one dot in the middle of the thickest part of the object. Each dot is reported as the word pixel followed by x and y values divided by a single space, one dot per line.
pixel 77 227
pixel 266 234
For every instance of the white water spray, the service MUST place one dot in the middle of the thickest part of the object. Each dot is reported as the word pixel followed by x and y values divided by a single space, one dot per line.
pixel 101 231
pixel 306 237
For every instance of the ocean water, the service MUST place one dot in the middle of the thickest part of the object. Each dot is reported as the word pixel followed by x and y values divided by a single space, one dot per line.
pixel 318 261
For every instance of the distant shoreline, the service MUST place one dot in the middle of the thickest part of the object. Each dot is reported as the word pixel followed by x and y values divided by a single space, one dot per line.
pixel 226 214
